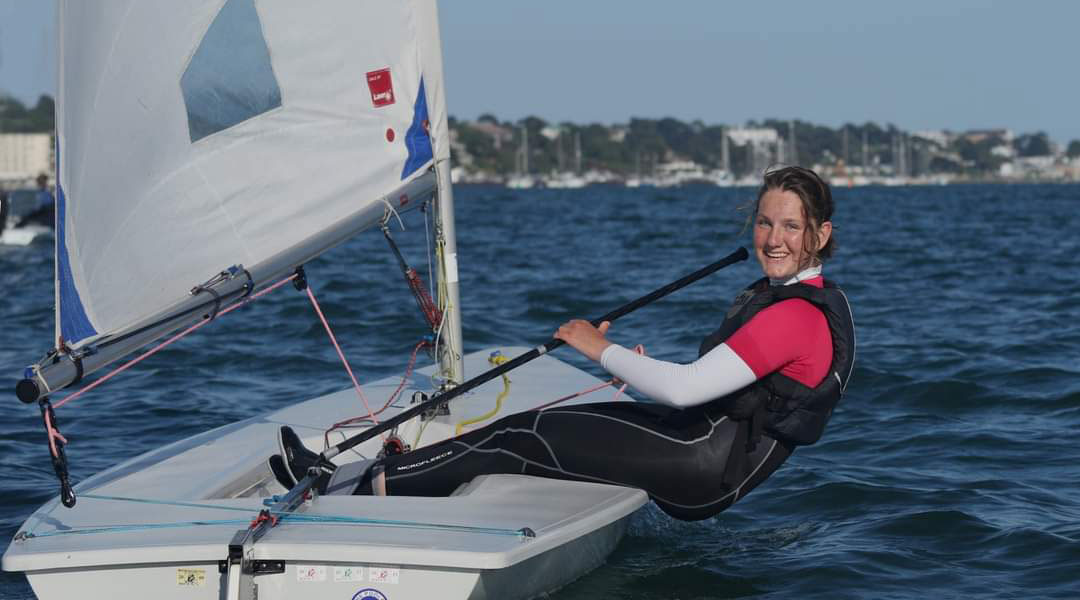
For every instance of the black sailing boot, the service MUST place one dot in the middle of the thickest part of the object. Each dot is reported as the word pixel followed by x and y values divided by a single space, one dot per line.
pixel 280 471
pixel 298 459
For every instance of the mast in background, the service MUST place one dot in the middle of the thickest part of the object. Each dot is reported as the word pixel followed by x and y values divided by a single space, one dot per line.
pixel 523 151
pixel 577 152
pixel 725 150
pixel 793 152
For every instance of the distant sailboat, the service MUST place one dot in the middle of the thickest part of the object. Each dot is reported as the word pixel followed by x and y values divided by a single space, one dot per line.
pixel 521 179
pixel 15 228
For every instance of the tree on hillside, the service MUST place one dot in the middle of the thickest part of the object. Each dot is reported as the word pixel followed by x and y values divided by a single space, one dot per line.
pixel 598 151
pixel 1033 144
pixel 15 118
pixel 1074 149
pixel 979 155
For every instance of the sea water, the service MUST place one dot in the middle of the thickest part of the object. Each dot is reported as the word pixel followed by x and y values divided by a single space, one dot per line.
pixel 948 470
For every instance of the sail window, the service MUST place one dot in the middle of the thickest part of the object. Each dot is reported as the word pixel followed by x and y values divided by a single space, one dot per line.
pixel 229 79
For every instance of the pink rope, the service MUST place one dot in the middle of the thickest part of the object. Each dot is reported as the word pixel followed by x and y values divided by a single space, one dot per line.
pixel 341 355
pixel 364 419
pixel 155 349
pixel 53 435
pixel 576 394
pixel 614 381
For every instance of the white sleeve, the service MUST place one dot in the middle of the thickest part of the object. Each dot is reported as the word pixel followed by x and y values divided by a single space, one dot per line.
pixel 716 374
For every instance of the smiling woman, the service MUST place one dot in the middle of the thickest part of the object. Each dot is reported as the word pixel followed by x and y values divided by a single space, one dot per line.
pixel 764 383
pixel 793 227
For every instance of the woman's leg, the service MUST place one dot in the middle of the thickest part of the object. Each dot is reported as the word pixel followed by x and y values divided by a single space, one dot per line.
pixel 679 457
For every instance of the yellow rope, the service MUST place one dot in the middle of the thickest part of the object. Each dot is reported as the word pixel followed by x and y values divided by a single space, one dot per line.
pixel 420 432
pixel 495 359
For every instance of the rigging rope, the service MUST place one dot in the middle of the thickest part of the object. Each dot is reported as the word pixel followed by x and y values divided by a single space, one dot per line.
pixel 640 349
pixel 444 305
pixel 416 285
pixel 54 434
pixel 427 243
pixel 280 516
pixel 364 418
pixel 341 355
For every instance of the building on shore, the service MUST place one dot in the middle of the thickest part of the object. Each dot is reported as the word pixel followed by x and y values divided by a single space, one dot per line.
pixel 24 156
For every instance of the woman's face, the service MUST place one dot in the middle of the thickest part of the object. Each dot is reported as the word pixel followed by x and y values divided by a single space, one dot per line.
pixel 779 230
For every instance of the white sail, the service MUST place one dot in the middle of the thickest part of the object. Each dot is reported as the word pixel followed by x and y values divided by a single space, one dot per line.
pixel 193 136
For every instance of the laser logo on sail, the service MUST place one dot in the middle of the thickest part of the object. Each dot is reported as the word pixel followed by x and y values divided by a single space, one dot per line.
pixel 381 86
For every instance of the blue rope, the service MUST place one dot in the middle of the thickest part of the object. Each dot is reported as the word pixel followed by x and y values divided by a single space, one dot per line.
pixel 284 516
pixel 145 526
pixel 165 502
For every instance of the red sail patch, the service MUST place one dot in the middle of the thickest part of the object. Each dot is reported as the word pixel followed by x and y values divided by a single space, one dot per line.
pixel 382 88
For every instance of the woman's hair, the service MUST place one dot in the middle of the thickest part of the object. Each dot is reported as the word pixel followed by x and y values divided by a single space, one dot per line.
pixel 817 204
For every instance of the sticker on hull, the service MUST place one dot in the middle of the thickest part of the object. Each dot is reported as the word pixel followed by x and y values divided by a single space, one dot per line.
pixel 191 577
pixel 310 573
pixel 348 573
pixel 369 594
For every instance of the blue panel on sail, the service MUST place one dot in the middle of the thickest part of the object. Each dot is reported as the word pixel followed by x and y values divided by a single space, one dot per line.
pixel 416 139
pixel 229 79
pixel 74 324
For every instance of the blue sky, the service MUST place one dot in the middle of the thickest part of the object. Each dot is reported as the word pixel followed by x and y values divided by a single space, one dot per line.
pixel 918 64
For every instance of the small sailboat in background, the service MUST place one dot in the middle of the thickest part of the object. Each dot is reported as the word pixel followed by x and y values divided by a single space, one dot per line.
pixel 21 222
pixel 207 150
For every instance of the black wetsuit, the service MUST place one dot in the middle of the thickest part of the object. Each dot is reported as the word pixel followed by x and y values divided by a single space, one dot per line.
pixel 693 462
pixel 677 456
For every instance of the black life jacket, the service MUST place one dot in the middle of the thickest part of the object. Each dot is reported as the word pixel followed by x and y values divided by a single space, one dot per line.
pixel 784 408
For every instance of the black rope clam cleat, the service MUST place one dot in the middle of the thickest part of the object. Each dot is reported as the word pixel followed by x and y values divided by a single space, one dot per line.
pixel 300 279
pixel 56 452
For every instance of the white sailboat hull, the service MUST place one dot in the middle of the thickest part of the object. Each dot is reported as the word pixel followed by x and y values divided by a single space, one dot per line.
pixel 167 539
pixel 24 236
pixel 425 567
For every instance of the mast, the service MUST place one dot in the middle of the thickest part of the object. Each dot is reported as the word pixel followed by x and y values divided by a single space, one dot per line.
pixel 452 350
pixel 577 152
pixel 725 150
pixel 865 150
pixel 847 159
pixel 524 149
pixel 792 151
pixel 559 151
